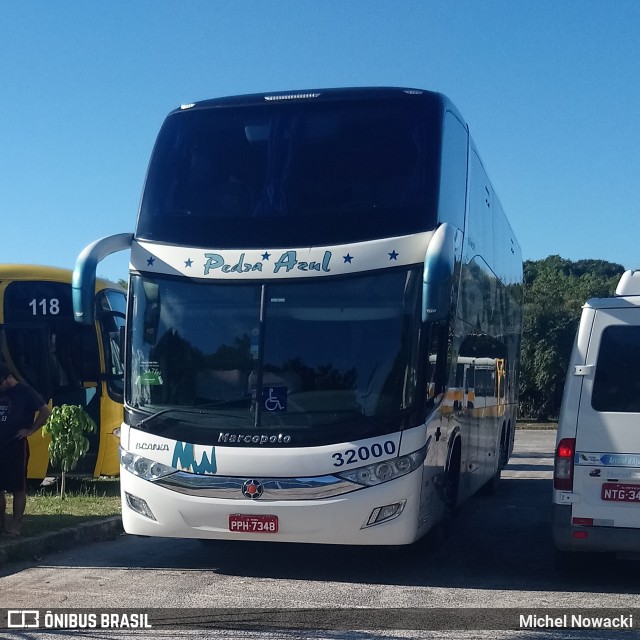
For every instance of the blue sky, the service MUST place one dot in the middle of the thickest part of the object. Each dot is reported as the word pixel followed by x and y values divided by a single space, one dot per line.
pixel 550 90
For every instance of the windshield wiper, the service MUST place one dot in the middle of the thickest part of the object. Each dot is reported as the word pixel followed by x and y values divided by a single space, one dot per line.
pixel 222 403
pixel 153 416
pixel 188 410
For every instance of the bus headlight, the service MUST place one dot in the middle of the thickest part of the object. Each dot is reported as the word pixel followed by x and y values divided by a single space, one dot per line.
pixel 380 472
pixel 143 467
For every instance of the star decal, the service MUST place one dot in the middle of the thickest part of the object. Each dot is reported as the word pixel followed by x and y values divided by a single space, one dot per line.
pixel 266 256
pixel 393 255
pixel 150 261
pixel 188 263
pixel 347 259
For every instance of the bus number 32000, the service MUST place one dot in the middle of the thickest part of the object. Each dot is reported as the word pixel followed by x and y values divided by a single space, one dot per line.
pixel 362 454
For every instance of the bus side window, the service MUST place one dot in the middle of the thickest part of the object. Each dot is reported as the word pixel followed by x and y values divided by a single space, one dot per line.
pixel 439 355
pixel 111 305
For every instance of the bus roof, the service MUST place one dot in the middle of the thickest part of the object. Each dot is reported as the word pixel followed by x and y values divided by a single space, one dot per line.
pixel 49 274
pixel 320 95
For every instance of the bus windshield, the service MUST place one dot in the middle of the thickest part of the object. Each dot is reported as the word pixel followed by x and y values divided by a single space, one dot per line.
pixel 325 361
pixel 253 176
pixel 42 341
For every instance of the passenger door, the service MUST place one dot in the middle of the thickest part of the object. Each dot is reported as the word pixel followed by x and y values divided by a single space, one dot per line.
pixel 607 464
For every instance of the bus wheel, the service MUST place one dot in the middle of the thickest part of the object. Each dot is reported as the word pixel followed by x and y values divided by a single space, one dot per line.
pixel 494 482
pixel 504 447
pixel 452 480
pixel 492 485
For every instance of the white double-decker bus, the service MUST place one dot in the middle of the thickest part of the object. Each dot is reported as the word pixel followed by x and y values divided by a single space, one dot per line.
pixel 307 272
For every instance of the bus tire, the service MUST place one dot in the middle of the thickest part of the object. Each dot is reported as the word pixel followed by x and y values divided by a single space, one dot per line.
pixel 491 487
pixel 505 437
pixel 452 480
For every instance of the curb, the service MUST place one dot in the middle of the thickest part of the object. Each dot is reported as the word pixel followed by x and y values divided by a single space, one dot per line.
pixel 31 548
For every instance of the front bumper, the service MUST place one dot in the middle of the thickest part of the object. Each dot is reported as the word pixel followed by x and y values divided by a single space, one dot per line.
pixel 330 520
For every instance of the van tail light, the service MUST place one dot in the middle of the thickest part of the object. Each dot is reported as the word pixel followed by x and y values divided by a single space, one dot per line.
pixel 563 465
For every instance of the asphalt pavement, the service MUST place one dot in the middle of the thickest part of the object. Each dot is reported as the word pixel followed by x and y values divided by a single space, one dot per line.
pixel 34 547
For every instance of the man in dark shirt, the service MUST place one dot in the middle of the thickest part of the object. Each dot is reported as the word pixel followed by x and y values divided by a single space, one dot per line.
pixel 18 405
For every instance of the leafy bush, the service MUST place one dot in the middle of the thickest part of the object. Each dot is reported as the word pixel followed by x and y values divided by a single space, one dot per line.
pixel 67 426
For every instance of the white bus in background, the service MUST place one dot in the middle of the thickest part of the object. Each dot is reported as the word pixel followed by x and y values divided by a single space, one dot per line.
pixel 596 497
pixel 307 271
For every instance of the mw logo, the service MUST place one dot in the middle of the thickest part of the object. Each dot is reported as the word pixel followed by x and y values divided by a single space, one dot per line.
pixel 184 458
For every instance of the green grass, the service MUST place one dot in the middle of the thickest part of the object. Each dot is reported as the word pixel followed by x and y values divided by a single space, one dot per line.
pixel 532 424
pixel 86 499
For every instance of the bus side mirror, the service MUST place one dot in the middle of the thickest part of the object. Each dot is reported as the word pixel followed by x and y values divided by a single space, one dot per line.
pixel 439 267
pixel 83 282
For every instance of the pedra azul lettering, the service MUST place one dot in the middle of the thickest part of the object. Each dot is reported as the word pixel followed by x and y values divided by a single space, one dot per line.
pixel 286 263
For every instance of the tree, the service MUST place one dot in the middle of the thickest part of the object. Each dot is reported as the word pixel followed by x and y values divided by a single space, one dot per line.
pixel 67 426
pixel 554 292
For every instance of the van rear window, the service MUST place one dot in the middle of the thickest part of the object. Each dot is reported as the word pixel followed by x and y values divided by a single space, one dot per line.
pixel 617 382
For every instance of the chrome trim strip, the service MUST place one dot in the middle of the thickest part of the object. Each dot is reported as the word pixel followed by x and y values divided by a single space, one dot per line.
pixel 230 488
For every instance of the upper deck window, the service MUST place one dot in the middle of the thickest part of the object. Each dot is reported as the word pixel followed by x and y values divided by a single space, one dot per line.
pixel 293 174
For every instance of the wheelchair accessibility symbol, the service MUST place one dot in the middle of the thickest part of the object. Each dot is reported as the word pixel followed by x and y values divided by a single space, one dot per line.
pixel 274 399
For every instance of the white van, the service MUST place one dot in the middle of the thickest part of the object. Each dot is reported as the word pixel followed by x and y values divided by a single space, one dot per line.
pixel 596 479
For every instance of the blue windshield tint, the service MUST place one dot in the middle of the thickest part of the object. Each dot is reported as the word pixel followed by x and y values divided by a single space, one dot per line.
pixel 293 174
pixel 320 361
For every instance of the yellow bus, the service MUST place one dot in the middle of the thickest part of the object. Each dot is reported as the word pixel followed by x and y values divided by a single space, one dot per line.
pixel 65 362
